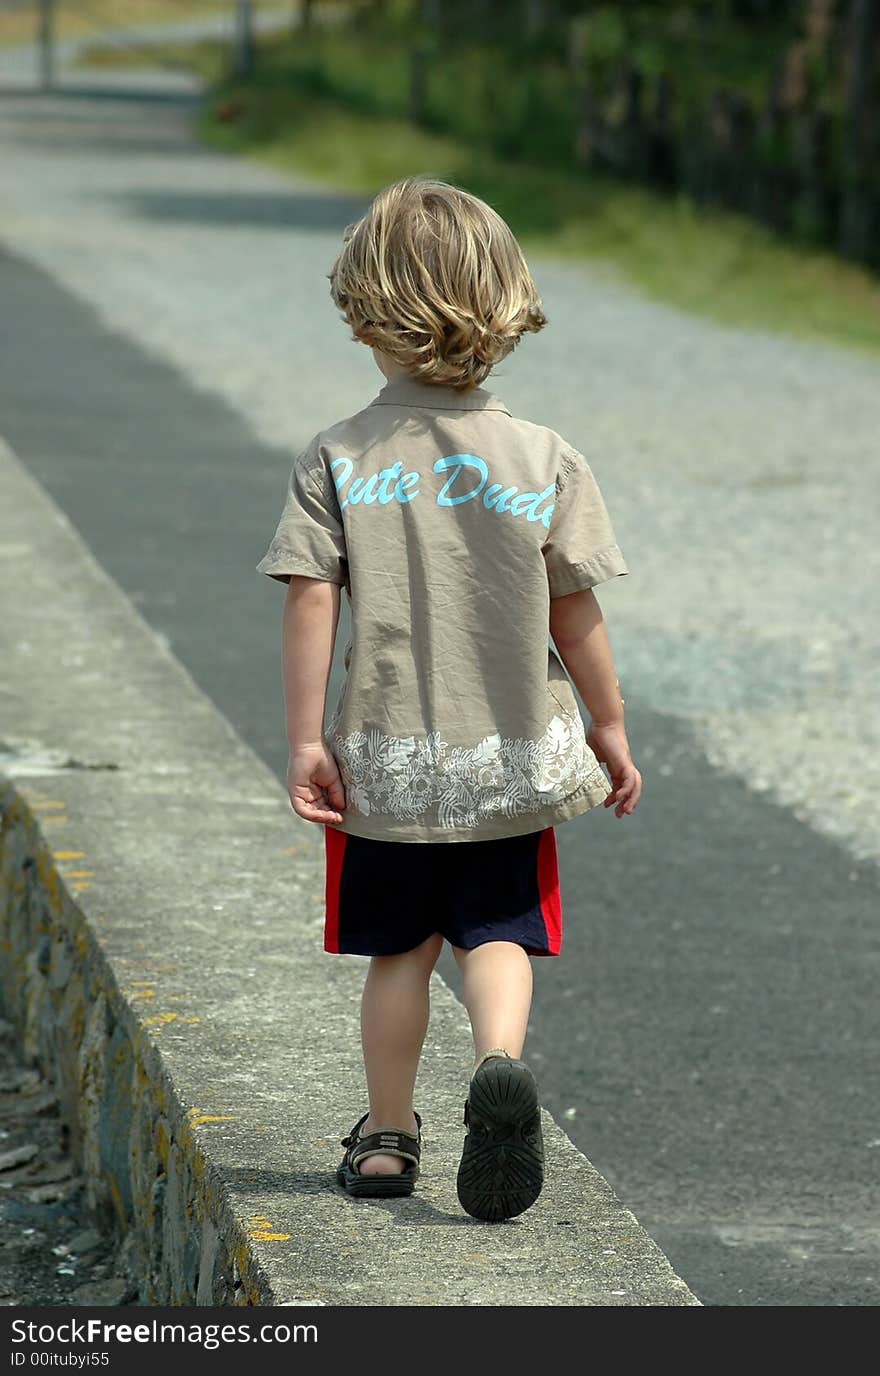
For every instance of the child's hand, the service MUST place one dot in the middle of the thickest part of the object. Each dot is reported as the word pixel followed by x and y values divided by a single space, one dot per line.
pixel 312 773
pixel 610 746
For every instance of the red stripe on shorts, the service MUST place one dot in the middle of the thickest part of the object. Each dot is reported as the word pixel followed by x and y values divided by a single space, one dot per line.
pixel 334 855
pixel 548 890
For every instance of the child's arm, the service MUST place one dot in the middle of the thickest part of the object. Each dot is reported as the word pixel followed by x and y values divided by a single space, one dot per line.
pixel 310 618
pixel 578 629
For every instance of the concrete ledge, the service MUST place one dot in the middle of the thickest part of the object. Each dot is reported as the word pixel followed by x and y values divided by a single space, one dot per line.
pixel 160 907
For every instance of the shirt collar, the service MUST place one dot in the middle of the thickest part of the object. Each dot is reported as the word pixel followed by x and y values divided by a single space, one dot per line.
pixel 405 390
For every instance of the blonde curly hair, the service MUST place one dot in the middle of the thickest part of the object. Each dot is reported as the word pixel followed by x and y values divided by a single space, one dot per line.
pixel 433 277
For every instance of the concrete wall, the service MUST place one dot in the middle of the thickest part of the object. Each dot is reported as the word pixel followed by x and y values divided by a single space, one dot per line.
pixel 145 1171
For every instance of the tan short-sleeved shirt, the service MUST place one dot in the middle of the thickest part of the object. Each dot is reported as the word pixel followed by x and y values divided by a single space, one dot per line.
pixel 451 524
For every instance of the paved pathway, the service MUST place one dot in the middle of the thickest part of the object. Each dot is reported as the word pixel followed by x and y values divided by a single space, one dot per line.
pixel 712 1031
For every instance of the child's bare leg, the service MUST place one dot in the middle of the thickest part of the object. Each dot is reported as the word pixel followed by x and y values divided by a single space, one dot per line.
pixel 497 992
pixel 394 1020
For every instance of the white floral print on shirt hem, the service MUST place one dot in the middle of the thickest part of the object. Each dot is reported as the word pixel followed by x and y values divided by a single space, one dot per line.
pixel 407 776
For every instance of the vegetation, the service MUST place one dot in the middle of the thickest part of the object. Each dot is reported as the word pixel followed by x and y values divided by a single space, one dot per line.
pixel 337 105
pixel 768 108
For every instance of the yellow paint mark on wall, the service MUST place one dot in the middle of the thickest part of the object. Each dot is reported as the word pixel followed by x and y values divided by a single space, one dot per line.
pixel 160 1020
pixel 55 821
pixel 117 1199
pixel 135 982
pixel 51 802
pixel 143 994
pixel 78 874
pixel 68 855
pixel 83 884
pixel 197 1117
pixel 260 1230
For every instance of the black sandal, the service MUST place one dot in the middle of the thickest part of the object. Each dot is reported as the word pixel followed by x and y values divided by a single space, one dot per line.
pixel 385 1142
pixel 502 1165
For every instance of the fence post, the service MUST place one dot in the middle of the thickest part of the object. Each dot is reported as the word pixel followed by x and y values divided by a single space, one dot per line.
pixel 632 132
pixel 47 44
pixel 418 71
pixel 243 39
pixel 661 158
pixel 773 170
pixel 858 208
pixel 812 214
pixel 535 17
pixel 742 149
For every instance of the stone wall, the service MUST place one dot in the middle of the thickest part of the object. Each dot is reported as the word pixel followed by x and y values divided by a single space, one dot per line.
pixel 145 1174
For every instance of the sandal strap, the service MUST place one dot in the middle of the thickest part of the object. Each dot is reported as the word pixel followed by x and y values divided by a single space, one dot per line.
pixel 353 1135
pixel 387 1141
pixel 490 1055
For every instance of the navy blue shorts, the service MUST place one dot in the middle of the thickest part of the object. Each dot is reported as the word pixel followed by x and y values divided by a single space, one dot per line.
pixel 386 897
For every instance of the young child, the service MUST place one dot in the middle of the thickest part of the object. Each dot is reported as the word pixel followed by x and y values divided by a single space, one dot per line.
pixel 463 537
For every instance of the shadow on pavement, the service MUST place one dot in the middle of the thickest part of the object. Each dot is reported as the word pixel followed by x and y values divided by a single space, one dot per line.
pixel 305 210
pixel 411 1210
pixel 128 94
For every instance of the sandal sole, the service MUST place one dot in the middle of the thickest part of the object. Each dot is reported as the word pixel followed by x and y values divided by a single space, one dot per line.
pixel 375 1186
pixel 502 1165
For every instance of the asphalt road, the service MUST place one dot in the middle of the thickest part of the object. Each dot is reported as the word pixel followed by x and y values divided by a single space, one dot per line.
pixel 709 1037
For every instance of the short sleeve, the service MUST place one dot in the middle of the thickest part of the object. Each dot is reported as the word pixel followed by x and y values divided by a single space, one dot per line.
pixel 309 538
pixel 581 549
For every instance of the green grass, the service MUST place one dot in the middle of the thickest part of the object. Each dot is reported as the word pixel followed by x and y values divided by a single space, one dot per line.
pixel 208 59
pixel 719 265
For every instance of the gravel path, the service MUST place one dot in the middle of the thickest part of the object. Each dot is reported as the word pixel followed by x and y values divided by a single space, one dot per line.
pixel 741 469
